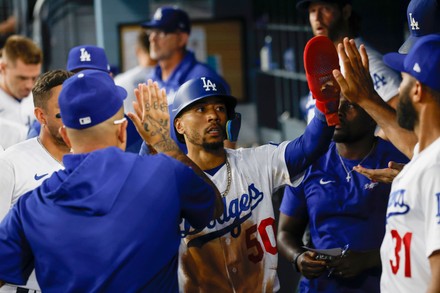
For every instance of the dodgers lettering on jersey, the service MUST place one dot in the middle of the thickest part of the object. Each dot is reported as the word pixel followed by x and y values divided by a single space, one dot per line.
pixel 234 212
pixel 397 204
pixel 238 249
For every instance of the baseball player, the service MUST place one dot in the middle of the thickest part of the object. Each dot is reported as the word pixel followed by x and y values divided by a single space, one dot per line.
pixel 336 20
pixel 73 228
pixel 80 58
pixel 414 206
pixel 236 252
pixel 410 249
pixel 93 57
pixel 168 32
pixel 20 67
pixel 26 165
pixel 343 209
pixel 423 19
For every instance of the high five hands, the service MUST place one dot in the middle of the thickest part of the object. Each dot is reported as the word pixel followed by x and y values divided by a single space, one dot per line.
pixel 151 117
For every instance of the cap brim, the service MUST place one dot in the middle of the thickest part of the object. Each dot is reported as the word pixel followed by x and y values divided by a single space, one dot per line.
pixel 395 61
pixel 122 93
pixel 404 49
pixel 152 24
pixel 303 5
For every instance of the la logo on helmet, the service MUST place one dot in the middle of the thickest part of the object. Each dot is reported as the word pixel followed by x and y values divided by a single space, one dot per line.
pixel 208 85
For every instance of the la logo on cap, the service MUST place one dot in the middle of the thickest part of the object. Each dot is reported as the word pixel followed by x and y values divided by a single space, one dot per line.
pixel 208 84
pixel 414 23
pixel 85 56
pixel 417 68
pixel 158 14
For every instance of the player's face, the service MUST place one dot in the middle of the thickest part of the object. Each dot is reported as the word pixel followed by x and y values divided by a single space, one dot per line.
pixel 406 113
pixel 164 45
pixel 355 123
pixel 325 19
pixel 53 120
pixel 19 79
pixel 203 124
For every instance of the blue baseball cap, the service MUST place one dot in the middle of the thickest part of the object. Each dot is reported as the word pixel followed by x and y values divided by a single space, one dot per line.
pixel 89 98
pixel 422 61
pixel 87 57
pixel 169 19
pixel 423 19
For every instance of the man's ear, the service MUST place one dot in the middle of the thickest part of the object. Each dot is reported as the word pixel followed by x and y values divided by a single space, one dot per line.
pixel 2 66
pixel 63 133
pixel 122 132
pixel 39 114
pixel 178 124
pixel 416 92
pixel 346 11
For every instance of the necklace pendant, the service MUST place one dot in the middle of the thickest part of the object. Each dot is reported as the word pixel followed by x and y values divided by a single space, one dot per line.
pixel 348 177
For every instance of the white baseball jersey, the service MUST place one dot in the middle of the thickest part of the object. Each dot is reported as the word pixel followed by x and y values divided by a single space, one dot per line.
pixel 386 81
pixel 238 251
pixel 413 224
pixel 11 132
pixel 23 167
pixel 19 111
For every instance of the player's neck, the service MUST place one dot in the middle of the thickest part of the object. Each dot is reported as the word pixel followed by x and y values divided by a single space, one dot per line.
pixel 5 88
pixel 207 160
pixel 356 150
pixel 427 129
pixel 56 150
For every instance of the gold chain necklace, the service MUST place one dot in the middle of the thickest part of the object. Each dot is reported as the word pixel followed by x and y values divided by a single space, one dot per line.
pixel 229 174
pixel 348 178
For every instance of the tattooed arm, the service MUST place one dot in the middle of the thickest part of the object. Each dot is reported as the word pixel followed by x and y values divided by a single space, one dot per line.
pixel 152 121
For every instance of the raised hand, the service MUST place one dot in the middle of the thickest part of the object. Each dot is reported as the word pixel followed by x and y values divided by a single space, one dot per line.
pixel 356 83
pixel 152 119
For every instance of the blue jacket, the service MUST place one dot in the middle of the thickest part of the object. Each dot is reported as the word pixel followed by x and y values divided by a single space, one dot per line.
pixel 109 222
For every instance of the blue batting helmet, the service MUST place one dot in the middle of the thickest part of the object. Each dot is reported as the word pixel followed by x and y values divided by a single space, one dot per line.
pixel 197 89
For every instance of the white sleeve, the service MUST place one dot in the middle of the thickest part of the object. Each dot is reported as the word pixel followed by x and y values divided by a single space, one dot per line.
pixel 385 80
pixel 430 187
pixel 7 178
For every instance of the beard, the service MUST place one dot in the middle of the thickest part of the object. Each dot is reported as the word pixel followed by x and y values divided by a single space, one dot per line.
pixel 406 114
pixel 213 146
pixel 56 136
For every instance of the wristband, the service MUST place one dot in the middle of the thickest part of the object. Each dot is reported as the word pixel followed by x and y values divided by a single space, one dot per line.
pixel 295 261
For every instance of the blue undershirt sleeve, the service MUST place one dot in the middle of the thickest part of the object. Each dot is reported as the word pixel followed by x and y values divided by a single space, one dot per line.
pixel 303 151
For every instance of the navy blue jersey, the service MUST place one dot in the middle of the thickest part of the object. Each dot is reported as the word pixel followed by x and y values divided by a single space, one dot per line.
pixel 109 222
pixel 343 212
